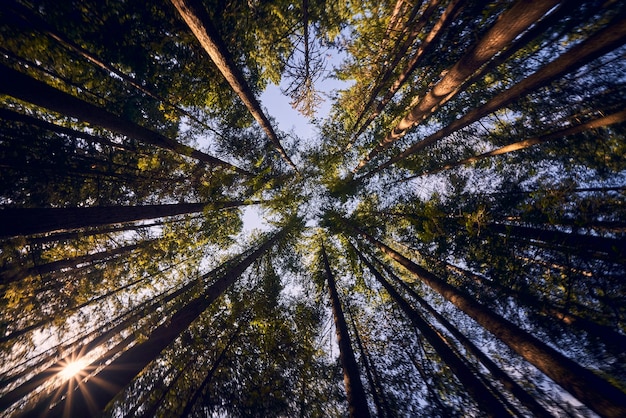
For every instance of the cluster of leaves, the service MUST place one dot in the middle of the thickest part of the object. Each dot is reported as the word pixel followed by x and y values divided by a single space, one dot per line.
pixel 462 206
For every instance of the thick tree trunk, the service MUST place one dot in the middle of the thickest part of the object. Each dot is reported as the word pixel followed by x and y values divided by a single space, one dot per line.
pixel 98 337
pixel 357 401
pixel 474 386
pixel 595 392
pixel 23 87
pixel 595 46
pixel 509 25
pixel 33 19
pixel 27 221
pixel 92 397
pixel 198 20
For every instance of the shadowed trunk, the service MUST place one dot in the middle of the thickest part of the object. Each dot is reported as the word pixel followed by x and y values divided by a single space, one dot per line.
pixel 24 87
pixel 595 392
pixel 27 221
pixel 357 401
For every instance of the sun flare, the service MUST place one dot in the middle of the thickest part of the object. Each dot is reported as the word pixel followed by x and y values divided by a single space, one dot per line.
pixel 72 369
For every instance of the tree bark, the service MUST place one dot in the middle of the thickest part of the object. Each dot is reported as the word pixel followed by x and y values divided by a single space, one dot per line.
pixel 357 401
pixel 509 25
pixel 35 20
pixel 433 35
pixel 617 117
pixel 14 275
pixel 595 392
pixel 198 20
pixel 24 87
pixel 27 221
pixel 613 249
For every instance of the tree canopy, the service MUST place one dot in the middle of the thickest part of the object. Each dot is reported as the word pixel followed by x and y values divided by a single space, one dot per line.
pixel 451 240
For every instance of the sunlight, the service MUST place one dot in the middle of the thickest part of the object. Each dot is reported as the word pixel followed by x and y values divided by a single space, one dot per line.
pixel 72 369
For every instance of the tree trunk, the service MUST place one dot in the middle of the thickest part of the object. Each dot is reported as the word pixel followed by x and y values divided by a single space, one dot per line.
pixel 24 87
pixel 198 20
pixel 433 35
pixel 100 336
pixel 209 376
pixel 509 25
pixel 33 19
pixel 92 397
pixel 596 45
pixel 14 275
pixel 595 392
pixel 526 143
pixel 524 397
pixel 357 401
pixel 72 133
pixel 27 221
pixel 366 364
pixel 474 386
pixel 612 248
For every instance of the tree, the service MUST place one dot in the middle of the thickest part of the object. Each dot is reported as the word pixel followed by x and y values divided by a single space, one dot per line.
pixel 351 376
pixel 471 264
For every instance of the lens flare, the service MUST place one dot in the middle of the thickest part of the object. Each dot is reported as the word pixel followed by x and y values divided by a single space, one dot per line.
pixel 72 368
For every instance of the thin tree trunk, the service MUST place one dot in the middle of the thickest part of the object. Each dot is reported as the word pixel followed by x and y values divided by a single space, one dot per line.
pixel 614 249
pixel 433 35
pixel 595 392
pixel 198 20
pixel 24 87
pixel 366 363
pixel 617 117
pixel 92 397
pixel 509 25
pixel 72 133
pixel 27 221
pixel 357 401
pixel 16 274
pixel 593 47
pixel 524 397
pixel 209 376
pixel 472 383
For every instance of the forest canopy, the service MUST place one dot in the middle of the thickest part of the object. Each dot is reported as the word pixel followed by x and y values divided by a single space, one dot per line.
pixel 451 240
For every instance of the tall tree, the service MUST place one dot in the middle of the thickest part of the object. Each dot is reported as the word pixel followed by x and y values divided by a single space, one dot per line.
pixel 594 391
pixel 200 24
pixel 357 401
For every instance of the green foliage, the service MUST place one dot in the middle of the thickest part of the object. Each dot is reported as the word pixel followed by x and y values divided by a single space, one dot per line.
pixel 535 235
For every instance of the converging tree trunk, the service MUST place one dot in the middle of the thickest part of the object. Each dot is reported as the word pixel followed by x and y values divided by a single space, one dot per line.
pixel 198 20
pixel 23 87
pixel 596 45
pixel 474 386
pixel 93 396
pixel 27 221
pixel 509 25
pixel 357 401
pixel 586 386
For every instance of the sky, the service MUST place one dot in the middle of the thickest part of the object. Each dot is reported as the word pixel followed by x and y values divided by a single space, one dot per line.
pixel 276 105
